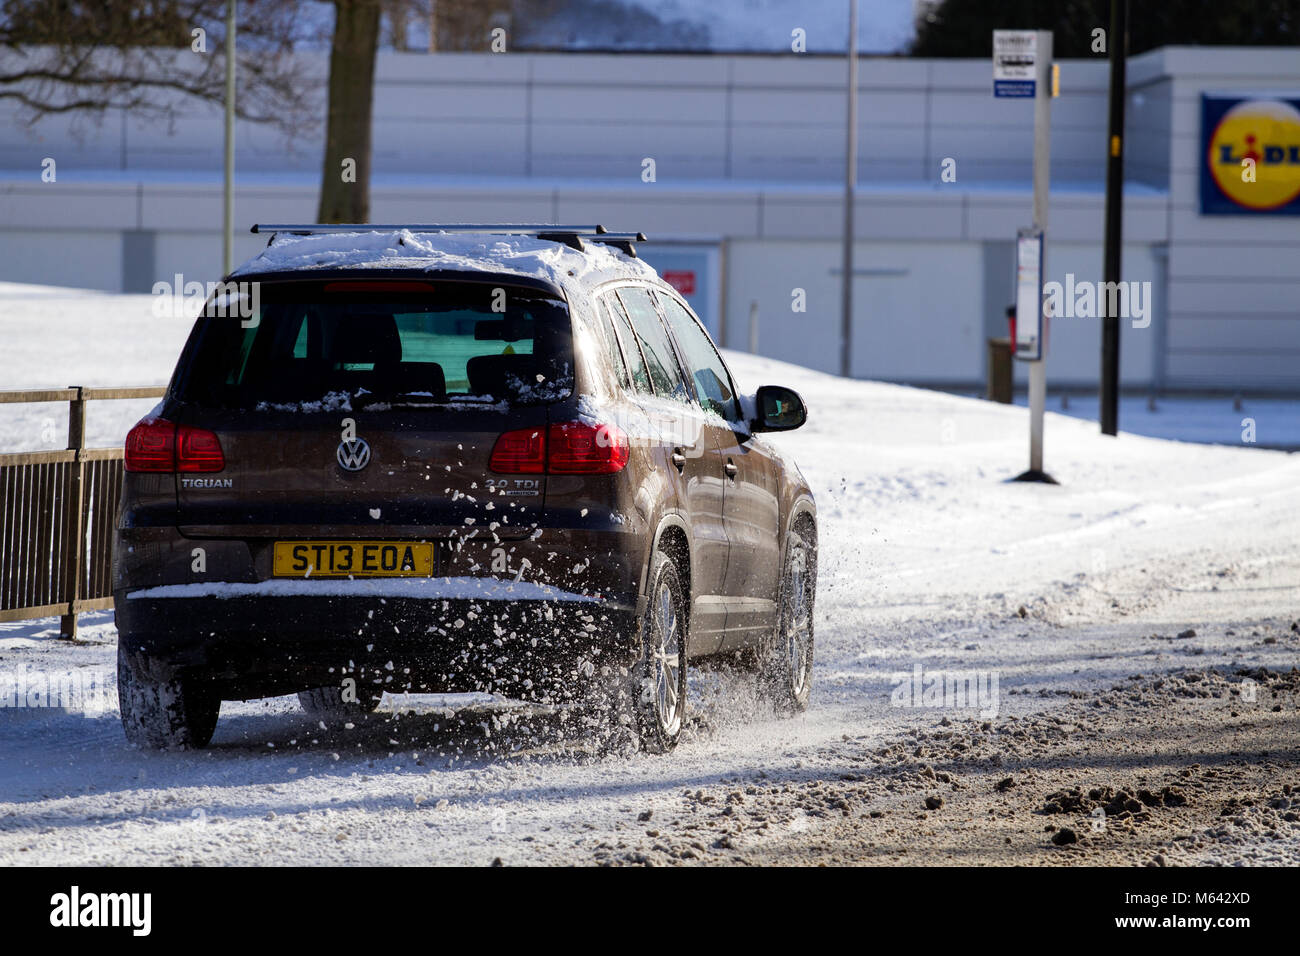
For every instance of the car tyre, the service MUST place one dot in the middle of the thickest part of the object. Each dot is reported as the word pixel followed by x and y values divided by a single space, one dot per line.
pixel 786 657
pixel 658 678
pixel 178 712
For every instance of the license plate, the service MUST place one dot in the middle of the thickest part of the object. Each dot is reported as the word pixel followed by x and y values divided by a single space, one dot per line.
pixel 357 559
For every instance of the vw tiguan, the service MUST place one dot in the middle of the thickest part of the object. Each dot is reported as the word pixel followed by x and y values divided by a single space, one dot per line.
pixel 451 458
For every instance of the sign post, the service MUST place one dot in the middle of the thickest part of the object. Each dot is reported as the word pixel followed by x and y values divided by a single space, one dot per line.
pixel 1022 67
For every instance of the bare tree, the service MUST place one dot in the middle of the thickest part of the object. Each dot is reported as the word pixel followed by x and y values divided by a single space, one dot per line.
pixel 964 28
pixel 152 58
pixel 468 24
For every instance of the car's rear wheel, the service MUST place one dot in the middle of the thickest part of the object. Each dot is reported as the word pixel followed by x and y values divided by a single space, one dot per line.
pixel 786 657
pixel 168 714
pixel 351 699
pixel 659 675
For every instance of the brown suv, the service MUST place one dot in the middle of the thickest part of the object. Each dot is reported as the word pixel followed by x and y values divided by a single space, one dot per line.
pixel 452 458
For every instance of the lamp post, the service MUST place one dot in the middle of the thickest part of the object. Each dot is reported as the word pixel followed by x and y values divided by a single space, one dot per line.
pixel 1113 253
pixel 228 198
pixel 850 179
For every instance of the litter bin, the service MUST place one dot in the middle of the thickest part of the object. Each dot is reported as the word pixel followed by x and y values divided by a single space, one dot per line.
pixel 999 371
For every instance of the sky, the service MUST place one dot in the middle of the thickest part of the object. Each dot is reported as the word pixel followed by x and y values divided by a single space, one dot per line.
pixel 884 26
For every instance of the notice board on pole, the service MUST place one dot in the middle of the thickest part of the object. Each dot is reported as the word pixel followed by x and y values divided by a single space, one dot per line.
pixel 1015 57
pixel 1029 295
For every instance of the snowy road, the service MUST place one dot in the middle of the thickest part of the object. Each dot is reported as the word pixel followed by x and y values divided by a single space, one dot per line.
pixel 929 559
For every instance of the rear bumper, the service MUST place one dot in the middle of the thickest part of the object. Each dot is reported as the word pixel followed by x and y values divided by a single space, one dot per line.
pixel 442 635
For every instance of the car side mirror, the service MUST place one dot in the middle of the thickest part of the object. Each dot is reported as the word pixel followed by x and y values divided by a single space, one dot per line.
pixel 778 409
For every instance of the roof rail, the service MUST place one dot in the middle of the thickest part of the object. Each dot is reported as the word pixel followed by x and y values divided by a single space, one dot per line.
pixel 521 229
pixel 620 240
pixel 569 235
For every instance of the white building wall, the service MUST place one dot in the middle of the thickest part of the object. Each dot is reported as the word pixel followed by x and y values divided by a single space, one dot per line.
pixel 597 116
pixel 909 327
pixel 748 153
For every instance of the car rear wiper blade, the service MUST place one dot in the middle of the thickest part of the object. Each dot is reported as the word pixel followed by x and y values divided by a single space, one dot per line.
pixel 367 398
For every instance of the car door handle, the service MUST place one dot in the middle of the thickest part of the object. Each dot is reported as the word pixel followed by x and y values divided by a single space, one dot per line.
pixel 731 469
pixel 679 460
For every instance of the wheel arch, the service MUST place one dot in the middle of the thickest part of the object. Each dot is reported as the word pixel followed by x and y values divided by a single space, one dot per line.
pixel 803 516
pixel 672 535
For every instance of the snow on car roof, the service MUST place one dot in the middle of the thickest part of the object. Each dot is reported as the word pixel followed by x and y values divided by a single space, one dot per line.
pixel 402 249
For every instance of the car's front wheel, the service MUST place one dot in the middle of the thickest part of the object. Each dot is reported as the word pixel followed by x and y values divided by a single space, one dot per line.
pixel 167 714
pixel 786 657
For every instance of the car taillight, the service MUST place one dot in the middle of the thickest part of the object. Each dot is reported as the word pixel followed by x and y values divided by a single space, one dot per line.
pixel 198 449
pixel 519 452
pixel 581 448
pixel 160 446
pixel 151 446
pixel 570 448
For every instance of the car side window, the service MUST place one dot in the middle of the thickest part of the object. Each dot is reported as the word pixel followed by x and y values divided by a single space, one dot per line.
pixel 610 344
pixel 631 351
pixel 713 385
pixel 655 344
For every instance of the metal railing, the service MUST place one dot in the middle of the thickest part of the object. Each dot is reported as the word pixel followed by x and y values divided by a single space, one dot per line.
pixel 57 514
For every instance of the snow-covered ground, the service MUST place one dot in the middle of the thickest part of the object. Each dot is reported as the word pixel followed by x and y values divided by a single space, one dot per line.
pixel 1219 419
pixel 54 337
pixel 929 558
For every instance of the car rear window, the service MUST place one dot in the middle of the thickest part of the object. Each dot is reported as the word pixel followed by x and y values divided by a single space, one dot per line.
pixel 420 342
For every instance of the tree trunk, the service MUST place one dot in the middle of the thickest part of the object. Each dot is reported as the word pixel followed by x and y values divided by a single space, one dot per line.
pixel 351 96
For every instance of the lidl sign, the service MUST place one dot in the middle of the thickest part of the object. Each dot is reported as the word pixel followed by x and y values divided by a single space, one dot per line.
pixel 1250 155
